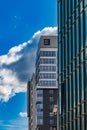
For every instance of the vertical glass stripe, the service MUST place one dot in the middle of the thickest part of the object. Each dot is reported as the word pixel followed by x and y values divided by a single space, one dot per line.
pixel 86 26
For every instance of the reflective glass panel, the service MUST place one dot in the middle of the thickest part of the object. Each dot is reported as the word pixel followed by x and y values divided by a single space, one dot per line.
pixel 81 31
pixel 82 82
pixel 86 25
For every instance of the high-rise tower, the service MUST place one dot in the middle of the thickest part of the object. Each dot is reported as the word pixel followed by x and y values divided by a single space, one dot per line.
pixel 46 83
pixel 72 64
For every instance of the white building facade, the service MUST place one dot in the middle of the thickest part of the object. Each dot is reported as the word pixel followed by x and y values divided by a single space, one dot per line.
pixel 46 83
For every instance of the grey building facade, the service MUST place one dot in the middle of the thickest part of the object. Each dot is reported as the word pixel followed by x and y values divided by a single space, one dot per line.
pixel 46 83
pixel 31 95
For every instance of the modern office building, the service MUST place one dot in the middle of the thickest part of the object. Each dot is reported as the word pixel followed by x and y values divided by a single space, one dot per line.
pixel 46 83
pixel 31 95
pixel 72 64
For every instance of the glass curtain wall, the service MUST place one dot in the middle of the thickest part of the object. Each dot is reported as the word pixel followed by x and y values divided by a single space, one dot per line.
pixel 72 64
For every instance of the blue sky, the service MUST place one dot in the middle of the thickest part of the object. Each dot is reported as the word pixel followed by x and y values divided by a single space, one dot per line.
pixel 22 22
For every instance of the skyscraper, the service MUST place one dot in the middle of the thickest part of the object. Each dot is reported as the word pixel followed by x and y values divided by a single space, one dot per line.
pixel 46 83
pixel 72 64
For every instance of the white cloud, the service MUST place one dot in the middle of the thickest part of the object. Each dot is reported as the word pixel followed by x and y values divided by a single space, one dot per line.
pixel 46 31
pixel 17 66
pixel 13 55
pixel 23 114
pixel 9 84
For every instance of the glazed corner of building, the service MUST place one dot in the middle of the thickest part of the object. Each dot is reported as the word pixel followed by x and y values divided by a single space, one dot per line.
pixel 46 41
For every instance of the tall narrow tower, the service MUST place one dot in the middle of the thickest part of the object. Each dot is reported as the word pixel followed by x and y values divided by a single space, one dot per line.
pixel 46 83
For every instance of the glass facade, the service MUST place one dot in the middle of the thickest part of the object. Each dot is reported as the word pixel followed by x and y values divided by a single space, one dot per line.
pixel 46 68
pixel 72 64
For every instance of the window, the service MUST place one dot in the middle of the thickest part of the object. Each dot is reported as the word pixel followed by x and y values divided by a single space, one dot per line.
pixel 39 121
pixel 66 50
pixel 47 83
pixel 51 100
pixel 39 98
pixel 73 41
pixel 81 32
pixel 86 24
pixel 40 113
pixel 48 76
pixel 70 93
pixel 78 86
pixel 46 41
pixel 51 121
pixel 47 68
pixel 39 92
pixel 39 106
pixel 51 114
pixel 48 53
pixel 74 92
pixel 82 81
pixel 47 61
pixel 77 36
pixel 69 47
